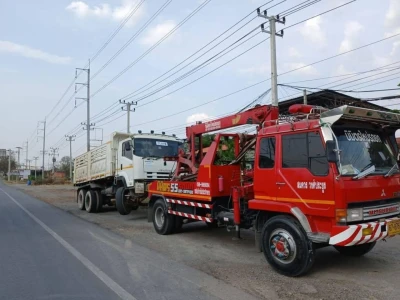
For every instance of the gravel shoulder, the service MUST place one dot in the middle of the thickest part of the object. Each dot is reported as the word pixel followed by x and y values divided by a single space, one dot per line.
pixel 217 253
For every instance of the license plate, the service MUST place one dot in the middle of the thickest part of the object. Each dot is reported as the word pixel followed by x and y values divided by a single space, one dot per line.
pixel 393 227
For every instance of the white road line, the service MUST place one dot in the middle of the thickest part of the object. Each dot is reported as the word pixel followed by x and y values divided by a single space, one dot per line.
pixel 115 287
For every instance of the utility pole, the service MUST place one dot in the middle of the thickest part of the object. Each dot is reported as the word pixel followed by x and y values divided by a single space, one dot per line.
pixel 272 32
pixel 19 149
pixel 9 164
pixel 35 159
pixel 87 99
pixel 44 145
pixel 53 150
pixel 26 159
pixel 128 112
pixel 305 96
pixel 70 139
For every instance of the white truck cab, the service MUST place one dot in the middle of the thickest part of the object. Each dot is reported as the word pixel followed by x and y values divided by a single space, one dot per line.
pixel 140 159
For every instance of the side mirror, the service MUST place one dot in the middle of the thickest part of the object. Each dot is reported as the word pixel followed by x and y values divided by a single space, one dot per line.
pixel 127 147
pixel 331 153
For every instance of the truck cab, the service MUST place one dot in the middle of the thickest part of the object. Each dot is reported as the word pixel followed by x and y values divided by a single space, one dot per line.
pixel 338 176
pixel 140 159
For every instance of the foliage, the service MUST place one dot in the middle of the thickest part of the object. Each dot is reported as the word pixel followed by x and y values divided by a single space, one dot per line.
pixel 396 111
pixel 63 165
pixel 4 164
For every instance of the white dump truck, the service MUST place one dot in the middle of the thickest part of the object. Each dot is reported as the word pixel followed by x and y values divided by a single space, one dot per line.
pixel 122 168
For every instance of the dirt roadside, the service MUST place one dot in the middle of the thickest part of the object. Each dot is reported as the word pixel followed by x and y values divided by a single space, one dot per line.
pixel 214 251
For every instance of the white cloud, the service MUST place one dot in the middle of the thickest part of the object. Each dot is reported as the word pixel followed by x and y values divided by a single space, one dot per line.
pixel 154 34
pixel 257 70
pixel 293 52
pixel 392 17
pixel 105 11
pixel 197 117
pixel 310 70
pixel 351 31
pixel 25 51
pixel 313 32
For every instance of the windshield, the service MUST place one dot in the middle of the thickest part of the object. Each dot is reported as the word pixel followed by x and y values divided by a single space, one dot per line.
pixel 361 149
pixel 155 147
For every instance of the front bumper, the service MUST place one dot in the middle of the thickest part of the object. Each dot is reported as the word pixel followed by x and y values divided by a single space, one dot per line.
pixel 352 234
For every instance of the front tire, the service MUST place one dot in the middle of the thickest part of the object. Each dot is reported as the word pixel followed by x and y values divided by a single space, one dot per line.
pixel 91 201
pixel 356 250
pixel 81 199
pixel 163 222
pixel 286 247
pixel 123 207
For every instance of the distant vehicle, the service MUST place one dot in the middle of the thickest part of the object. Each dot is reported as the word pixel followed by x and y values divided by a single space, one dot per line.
pixel 119 171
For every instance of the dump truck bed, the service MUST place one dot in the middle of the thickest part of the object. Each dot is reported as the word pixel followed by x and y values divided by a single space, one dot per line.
pixel 98 163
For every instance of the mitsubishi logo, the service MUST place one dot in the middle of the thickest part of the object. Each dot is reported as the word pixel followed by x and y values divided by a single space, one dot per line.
pixel 383 193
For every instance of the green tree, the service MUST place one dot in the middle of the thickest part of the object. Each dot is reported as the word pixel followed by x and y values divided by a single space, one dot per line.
pixel 63 165
pixel 4 164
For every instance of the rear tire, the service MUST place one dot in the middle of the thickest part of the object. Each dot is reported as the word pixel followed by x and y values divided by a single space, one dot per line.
pixel 91 201
pixel 81 199
pixel 356 250
pixel 120 201
pixel 286 246
pixel 163 222
pixel 99 197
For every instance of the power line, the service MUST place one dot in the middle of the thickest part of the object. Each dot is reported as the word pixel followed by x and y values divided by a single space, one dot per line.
pixel 320 14
pixel 199 50
pixel 197 79
pixel 118 29
pixel 137 33
pixel 297 8
pixel 202 5
pixel 343 91
pixel 200 66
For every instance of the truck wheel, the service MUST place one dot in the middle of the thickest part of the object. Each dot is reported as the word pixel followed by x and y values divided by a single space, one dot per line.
pixel 286 246
pixel 99 198
pixel 123 207
pixel 163 222
pixel 357 250
pixel 81 198
pixel 91 201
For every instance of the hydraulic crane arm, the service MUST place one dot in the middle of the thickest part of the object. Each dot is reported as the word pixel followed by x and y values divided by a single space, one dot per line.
pixel 256 115
pixel 188 163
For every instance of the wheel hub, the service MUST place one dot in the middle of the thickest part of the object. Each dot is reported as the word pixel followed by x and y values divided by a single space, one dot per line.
pixel 282 246
pixel 159 217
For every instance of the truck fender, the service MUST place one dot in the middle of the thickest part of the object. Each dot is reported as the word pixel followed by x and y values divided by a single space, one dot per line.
pixel 121 181
pixel 301 218
pixel 153 199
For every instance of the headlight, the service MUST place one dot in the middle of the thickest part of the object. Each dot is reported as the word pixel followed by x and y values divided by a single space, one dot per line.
pixel 354 214
pixel 349 215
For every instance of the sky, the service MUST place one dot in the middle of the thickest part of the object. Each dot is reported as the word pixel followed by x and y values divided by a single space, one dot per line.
pixel 43 42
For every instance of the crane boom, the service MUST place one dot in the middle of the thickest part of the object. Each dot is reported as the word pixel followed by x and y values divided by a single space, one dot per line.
pixel 255 115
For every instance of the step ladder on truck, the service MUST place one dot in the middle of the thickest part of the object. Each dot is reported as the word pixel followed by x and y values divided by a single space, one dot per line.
pixel 118 172
pixel 320 178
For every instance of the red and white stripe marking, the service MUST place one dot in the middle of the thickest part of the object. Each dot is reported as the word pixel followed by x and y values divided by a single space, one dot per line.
pixel 190 216
pixel 189 203
pixel 352 234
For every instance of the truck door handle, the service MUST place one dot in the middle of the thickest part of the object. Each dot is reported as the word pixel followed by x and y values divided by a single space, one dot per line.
pixel 121 166
pixel 280 183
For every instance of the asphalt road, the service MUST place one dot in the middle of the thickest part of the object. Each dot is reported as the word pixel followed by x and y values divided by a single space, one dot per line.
pixel 47 253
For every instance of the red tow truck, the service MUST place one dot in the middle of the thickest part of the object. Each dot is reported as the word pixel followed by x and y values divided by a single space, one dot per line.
pixel 319 177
